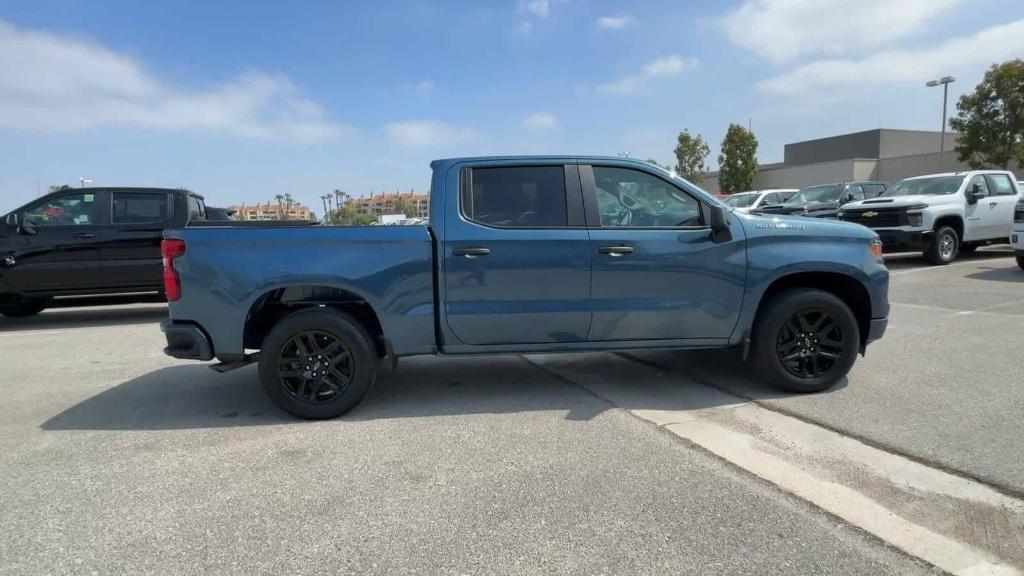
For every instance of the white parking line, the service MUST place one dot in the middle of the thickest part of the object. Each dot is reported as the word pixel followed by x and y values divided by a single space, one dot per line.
pixel 928 268
pixel 30 332
pixel 910 505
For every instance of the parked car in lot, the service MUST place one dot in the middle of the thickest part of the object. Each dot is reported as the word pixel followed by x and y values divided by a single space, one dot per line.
pixel 526 254
pixel 941 214
pixel 1017 237
pixel 757 199
pixel 91 241
pixel 823 201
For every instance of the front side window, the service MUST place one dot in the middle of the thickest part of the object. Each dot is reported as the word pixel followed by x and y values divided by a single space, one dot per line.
pixel 982 185
pixel 1001 185
pixel 517 197
pixel 856 192
pixel 67 210
pixel 139 208
pixel 632 198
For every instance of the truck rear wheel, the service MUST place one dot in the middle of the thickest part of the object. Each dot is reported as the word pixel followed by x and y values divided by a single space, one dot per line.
pixel 317 363
pixel 805 340
pixel 22 307
pixel 944 246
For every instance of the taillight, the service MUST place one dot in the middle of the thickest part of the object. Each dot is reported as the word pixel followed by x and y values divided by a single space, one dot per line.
pixel 170 249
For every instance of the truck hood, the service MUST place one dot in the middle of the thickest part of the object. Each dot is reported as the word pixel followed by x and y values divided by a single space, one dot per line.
pixel 900 201
pixel 799 225
pixel 810 208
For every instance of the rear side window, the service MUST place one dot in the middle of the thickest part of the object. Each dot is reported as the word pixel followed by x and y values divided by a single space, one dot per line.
pixel 517 197
pixel 1001 185
pixel 196 209
pixel 136 208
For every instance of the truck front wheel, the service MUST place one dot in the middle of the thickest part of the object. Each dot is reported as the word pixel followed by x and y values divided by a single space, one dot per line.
pixel 805 340
pixel 1020 259
pixel 317 363
pixel 944 246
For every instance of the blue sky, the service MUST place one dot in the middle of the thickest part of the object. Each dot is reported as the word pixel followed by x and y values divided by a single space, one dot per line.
pixel 242 101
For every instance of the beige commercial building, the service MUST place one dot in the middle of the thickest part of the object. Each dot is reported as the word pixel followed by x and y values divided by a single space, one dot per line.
pixel 881 154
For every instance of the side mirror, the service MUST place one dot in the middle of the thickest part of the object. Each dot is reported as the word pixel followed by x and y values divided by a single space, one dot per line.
pixel 975 193
pixel 12 220
pixel 719 221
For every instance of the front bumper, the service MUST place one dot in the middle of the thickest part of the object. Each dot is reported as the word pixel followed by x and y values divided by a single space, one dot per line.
pixel 904 240
pixel 1017 239
pixel 186 341
pixel 877 328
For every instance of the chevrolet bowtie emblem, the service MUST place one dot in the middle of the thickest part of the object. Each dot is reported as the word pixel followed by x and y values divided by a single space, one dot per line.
pixel 870 214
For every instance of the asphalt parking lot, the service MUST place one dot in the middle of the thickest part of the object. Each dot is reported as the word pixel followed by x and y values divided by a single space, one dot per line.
pixel 115 458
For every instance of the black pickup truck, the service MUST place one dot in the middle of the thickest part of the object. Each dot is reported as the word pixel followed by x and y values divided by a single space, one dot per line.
pixel 88 241
pixel 824 200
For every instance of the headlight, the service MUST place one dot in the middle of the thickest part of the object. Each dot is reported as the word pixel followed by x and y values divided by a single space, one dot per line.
pixel 876 248
pixel 915 219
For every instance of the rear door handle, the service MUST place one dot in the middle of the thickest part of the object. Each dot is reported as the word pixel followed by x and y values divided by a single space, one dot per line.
pixel 83 235
pixel 472 252
pixel 615 250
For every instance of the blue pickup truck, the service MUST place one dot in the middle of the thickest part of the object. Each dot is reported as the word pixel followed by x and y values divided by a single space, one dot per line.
pixel 526 254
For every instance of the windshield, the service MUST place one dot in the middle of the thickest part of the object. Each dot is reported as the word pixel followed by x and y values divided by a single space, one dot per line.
pixel 939 185
pixel 827 193
pixel 741 200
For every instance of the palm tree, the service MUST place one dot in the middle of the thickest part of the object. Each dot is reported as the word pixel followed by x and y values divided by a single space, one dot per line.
pixel 280 204
pixel 288 202
pixel 324 200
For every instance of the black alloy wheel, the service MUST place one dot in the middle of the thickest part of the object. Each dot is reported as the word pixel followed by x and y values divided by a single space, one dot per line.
pixel 314 367
pixel 809 343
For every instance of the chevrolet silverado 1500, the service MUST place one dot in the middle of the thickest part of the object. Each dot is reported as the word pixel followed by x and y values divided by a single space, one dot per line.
pixel 526 254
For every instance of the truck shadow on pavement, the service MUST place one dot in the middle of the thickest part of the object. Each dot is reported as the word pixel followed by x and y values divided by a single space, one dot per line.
pixel 1003 274
pixel 192 396
pixel 908 260
pixel 86 317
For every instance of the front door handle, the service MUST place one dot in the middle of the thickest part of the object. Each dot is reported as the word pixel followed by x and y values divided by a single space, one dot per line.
pixel 83 235
pixel 993 204
pixel 615 250
pixel 472 252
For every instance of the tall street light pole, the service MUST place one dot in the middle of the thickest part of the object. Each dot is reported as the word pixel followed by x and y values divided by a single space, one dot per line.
pixel 945 81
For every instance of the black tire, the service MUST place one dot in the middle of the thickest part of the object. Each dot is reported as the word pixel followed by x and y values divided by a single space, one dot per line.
pixel 333 343
pixel 943 248
pixel 831 348
pixel 966 248
pixel 23 307
pixel 1020 259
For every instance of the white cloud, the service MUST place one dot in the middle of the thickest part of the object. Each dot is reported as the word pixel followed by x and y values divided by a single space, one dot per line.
pixel 614 22
pixel 52 83
pixel 539 8
pixel 671 65
pixel 428 133
pixel 895 67
pixel 540 121
pixel 424 86
pixel 782 30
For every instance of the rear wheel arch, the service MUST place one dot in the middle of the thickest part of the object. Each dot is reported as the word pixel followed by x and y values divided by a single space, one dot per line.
pixel 277 304
pixel 847 288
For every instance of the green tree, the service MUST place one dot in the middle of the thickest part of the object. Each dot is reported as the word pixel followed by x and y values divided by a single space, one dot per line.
pixel 691 157
pixel 60 188
pixel 990 120
pixel 737 162
pixel 402 205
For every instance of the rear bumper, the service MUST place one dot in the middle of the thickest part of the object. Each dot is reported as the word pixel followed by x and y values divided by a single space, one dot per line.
pixel 877 328
pixel 186 341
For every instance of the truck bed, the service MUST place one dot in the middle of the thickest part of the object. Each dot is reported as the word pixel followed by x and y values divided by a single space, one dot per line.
pixel 226 270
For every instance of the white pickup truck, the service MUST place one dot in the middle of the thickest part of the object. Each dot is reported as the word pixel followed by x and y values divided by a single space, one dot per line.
pixel 941 215
pixel 1018 228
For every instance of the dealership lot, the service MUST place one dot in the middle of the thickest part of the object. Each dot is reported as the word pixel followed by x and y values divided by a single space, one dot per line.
pixel 115 458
